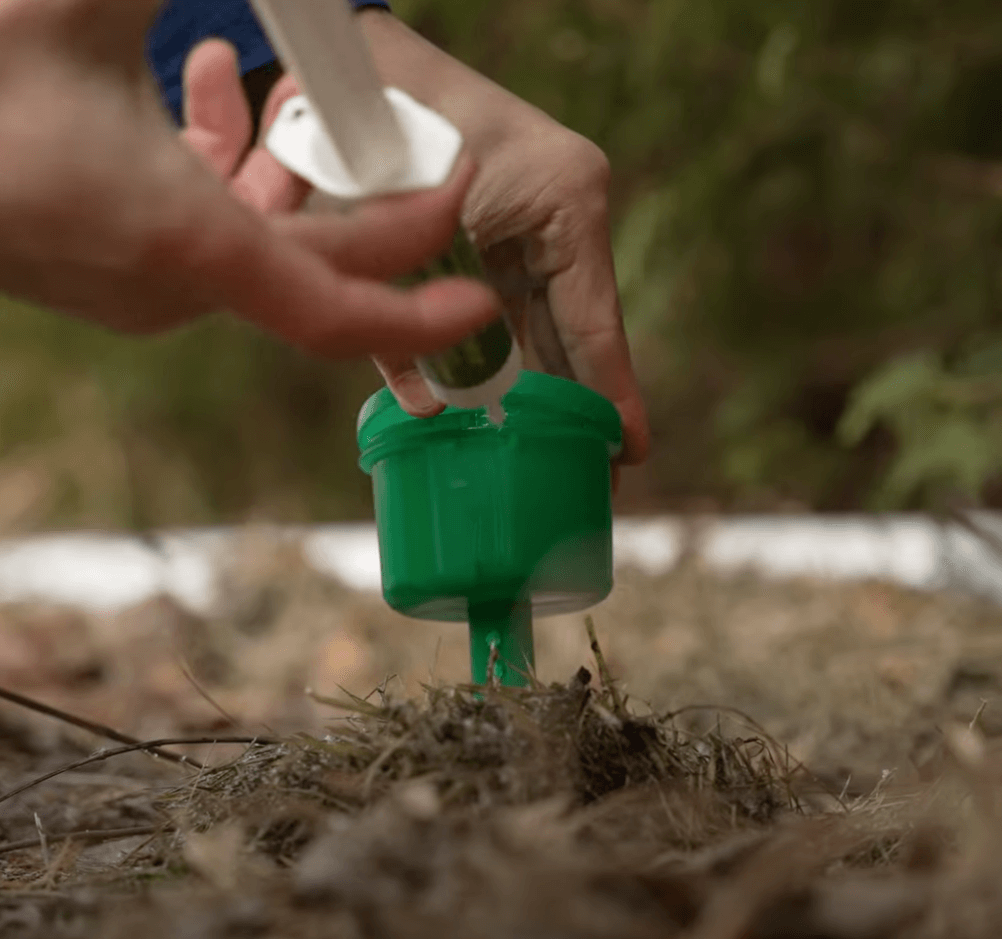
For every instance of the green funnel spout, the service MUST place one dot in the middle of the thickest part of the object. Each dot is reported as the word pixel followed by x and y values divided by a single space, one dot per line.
pixel 502 630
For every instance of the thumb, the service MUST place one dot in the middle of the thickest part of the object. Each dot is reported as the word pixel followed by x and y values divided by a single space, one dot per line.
pixel 217 116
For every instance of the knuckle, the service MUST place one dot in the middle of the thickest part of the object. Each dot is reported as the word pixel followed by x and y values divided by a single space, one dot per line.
pixel 596 171
pixel 183 241
pixel 588 183
pixel 171 245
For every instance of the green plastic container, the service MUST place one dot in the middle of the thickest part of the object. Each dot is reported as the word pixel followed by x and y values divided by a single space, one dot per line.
pixel 490 524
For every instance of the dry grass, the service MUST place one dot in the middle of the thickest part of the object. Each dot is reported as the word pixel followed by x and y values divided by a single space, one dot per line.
pixel 503 813
pixel 673 805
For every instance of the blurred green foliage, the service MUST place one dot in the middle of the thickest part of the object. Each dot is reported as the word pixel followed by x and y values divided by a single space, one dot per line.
pixel 807 207
pixel 213 423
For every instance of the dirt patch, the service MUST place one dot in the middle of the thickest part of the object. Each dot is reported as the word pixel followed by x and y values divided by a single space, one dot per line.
pixel 793 759
pixel 547 812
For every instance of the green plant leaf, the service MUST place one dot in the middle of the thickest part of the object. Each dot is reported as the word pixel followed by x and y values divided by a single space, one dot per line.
pixel 897 386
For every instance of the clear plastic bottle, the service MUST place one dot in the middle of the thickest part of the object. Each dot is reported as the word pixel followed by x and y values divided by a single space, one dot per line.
pixel 480 370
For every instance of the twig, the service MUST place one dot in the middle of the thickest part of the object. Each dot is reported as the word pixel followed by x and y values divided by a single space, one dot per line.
pixel 91 836
pixel 194 786
pixel 988 538
pixel 43 841
pixel 977 717
pixel 434 661
pixel 603 670
pixel 380 689
pixel 379 763
pixel 492 663
pixel 149 747
pixel 66 857
pixel 204 695
pixel 49 896
pixel 529 674
pixel 354 703
pixel 140 847
pixel 99 729
pixel 200 690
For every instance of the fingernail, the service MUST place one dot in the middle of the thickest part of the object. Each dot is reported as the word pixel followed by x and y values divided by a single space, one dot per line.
pixel 414 396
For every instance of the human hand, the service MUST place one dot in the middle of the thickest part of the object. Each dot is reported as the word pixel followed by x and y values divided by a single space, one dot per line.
pixel 538 204
pixel 109 216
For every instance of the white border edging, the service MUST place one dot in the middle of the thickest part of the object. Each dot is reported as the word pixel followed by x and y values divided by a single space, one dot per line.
pixel 107 573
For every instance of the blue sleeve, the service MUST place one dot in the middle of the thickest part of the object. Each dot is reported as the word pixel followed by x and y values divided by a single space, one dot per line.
pixel 182 24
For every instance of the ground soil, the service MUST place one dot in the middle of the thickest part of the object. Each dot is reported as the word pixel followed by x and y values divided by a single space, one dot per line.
pixel 772 759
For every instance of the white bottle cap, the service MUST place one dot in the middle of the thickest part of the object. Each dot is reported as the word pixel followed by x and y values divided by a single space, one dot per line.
pixel 298 141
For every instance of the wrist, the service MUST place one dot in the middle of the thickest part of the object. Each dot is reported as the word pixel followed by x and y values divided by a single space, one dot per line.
pixel 481 110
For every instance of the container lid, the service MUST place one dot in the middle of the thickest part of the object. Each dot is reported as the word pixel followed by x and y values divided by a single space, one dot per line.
pixel 298 141
pixel 536 402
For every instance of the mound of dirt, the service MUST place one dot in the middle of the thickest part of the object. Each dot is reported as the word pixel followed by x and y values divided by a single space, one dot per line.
pixel 550 812
pixel 800 760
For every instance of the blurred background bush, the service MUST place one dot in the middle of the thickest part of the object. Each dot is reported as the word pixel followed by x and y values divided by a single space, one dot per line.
pixel 808 230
